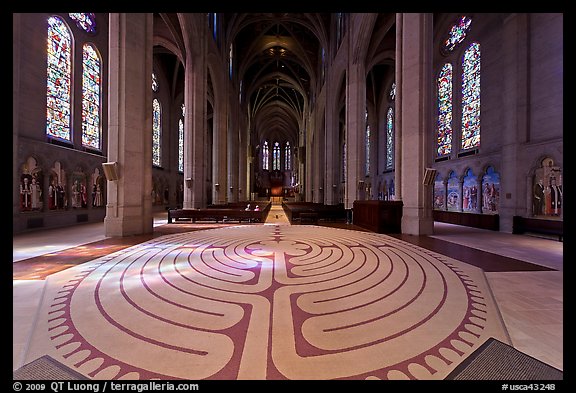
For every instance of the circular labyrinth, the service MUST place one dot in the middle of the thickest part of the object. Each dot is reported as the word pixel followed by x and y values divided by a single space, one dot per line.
pixel 270 302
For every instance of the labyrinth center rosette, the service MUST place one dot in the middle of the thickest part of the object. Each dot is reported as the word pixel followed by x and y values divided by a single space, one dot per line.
pixel 271 302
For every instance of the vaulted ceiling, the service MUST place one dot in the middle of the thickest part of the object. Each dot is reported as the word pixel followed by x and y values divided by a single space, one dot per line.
pixel 277 59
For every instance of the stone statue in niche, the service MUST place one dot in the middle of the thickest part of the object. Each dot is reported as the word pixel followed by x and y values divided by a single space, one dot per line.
pixel 31 182
pixel 79 190
pixel 547 190
pixel 56 188
pixel 97 189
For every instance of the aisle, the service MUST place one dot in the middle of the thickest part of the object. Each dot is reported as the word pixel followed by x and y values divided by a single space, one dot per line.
pixel 276 215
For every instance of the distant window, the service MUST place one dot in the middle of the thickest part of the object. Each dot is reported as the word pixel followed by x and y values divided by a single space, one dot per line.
pixel 59 74
pixel 287 157
pixel 181 145
pixel 276 157
pixel 390 138
pixel 367 143
pixel 85 21
pixel 265 156
pixel 154 82
pixel 156 132
pixel 457 33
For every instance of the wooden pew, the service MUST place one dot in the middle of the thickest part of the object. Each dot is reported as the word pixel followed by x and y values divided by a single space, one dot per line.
pixel 218 214
pixel 543 226
pixel 312 212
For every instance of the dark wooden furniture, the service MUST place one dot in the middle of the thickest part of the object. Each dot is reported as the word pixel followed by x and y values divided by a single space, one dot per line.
pixel 219 214
pixel 378 216
pixel 476 220
pixel 312 210
pixel 538 225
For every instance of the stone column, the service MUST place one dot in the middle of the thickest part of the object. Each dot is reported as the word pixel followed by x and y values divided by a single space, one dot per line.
pixel 220 148
pixel 515 126
pixel 331 147
pixel 416 125
pixel 355 127
pixel 194 129
pixel 398 111
pixel 129 204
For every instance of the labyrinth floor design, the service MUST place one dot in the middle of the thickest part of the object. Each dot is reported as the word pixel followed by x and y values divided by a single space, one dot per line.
pixel 266 302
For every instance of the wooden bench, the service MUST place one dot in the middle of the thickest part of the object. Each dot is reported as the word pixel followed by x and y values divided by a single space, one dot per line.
pixel 543 226
pixel 308 218
pixel 217 214
pixel 311 210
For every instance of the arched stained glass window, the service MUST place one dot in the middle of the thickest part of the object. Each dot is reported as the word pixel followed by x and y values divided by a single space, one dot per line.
pixel 91 76
pixel 390 138
pixel 231 60
pixel 367 143
pixel 444 142
pixel 181 145
pixel 154 82
pixel 457 33
pixel 181 140
pixel 156 132
pixel 471 97
pixel 344 166
pixel 265 156
pixel 59 74
pixel 287 157
pixel 85 21
pixel 393 91
pixel 276 157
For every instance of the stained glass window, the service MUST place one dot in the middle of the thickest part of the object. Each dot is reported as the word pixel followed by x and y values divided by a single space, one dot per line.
pixel 59 73
pixel 444 143
pixel 367 143
pixel 287 157
pixel 390 138
pixel 344 166
pixel 181 145
pixel 231 58
pixel 471 97
pixel 90 97
pixel 276 157
pixel 181 140
pixel 154 82
pixel 457 33
pixel 156 132
pixel 265 156
pixel 85 21
pixel 393 91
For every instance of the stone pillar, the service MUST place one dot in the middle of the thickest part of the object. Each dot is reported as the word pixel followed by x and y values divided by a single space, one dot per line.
pixel 232 158
pixel 355 132
pixel 416 125
pixel 220 149
pixel 194 129
pixel 515 127
pixel 331 147
pixel 129 204
pixel 398 111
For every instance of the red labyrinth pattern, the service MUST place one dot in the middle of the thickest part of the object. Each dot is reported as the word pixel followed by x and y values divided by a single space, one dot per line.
pixel 270 302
